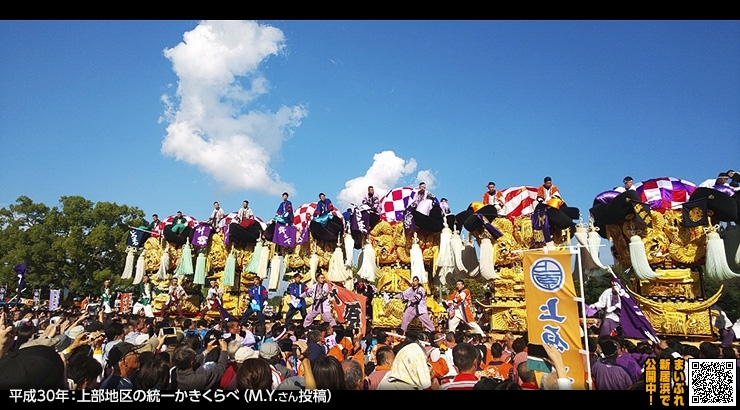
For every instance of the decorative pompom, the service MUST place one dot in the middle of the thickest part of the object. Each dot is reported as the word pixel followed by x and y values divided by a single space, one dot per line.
pixel 229 270
pixel 140 269
pixel 716 261
pixel 640 264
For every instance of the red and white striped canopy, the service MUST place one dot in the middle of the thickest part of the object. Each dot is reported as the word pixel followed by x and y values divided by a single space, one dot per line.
pixel 519 200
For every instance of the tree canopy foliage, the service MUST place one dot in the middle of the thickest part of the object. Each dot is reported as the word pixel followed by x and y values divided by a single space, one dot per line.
pixel 76 245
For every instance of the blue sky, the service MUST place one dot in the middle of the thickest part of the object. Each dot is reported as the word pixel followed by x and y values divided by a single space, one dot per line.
pixel 173 115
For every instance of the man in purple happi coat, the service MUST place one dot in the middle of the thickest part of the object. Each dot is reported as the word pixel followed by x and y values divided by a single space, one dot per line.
pixel 416 306
pixel 319 292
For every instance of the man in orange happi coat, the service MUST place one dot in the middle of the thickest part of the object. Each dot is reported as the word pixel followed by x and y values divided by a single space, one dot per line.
pixel 458 307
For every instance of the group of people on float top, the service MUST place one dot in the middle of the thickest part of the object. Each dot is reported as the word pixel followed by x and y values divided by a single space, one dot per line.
pixel 729 178
pixel 546 191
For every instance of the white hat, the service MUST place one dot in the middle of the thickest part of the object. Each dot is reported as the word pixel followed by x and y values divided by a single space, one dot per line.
pixel 75 331
pixel 141 339
pixel 245 353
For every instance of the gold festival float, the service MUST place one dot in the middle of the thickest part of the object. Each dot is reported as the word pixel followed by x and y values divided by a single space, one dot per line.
pixel 503 232
pixel 672 237
pixel 195 253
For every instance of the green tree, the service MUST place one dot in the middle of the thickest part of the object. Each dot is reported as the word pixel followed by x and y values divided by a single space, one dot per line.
pixel 77 245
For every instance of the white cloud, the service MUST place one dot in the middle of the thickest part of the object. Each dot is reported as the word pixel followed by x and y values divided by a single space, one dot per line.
pixel 210 125
pixel 384 174
pixel 427 177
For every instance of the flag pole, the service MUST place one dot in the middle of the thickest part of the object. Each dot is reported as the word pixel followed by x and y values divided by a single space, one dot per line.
pixel 583 314
pixel 140 229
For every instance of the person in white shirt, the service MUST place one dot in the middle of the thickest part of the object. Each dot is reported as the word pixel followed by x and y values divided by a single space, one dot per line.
pixel 213 299
pixel 175 294
pixel 628 185
pixel 245 214
pixel 611 303
pixel 710 183
pixel 216 216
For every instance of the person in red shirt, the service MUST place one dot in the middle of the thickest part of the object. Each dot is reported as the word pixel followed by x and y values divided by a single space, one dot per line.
pixel 465 358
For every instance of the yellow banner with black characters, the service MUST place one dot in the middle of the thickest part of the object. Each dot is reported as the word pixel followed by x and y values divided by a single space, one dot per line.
pixel 552 311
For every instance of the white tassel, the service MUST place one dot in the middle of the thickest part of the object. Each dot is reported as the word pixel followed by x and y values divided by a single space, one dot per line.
pixel 417 262
pixel 470 259
pixel 368 267
pixel 732 247
pixel 164 264
pixel 230 270
pixel 275 273
pixel 716 261
pixel 640 264
pixel 128 269
pixel 581 236
pixel 349 250
pixel 337 271
pixel 594 244
pixel 200 269
pixel 443 274
pixel 457 250
pixel 140 269
pixel 313 264
pixel 263 262
pixel 487 270
pixel 445 258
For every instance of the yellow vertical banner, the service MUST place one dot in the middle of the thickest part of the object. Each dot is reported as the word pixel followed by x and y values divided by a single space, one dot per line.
pixel 552 311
